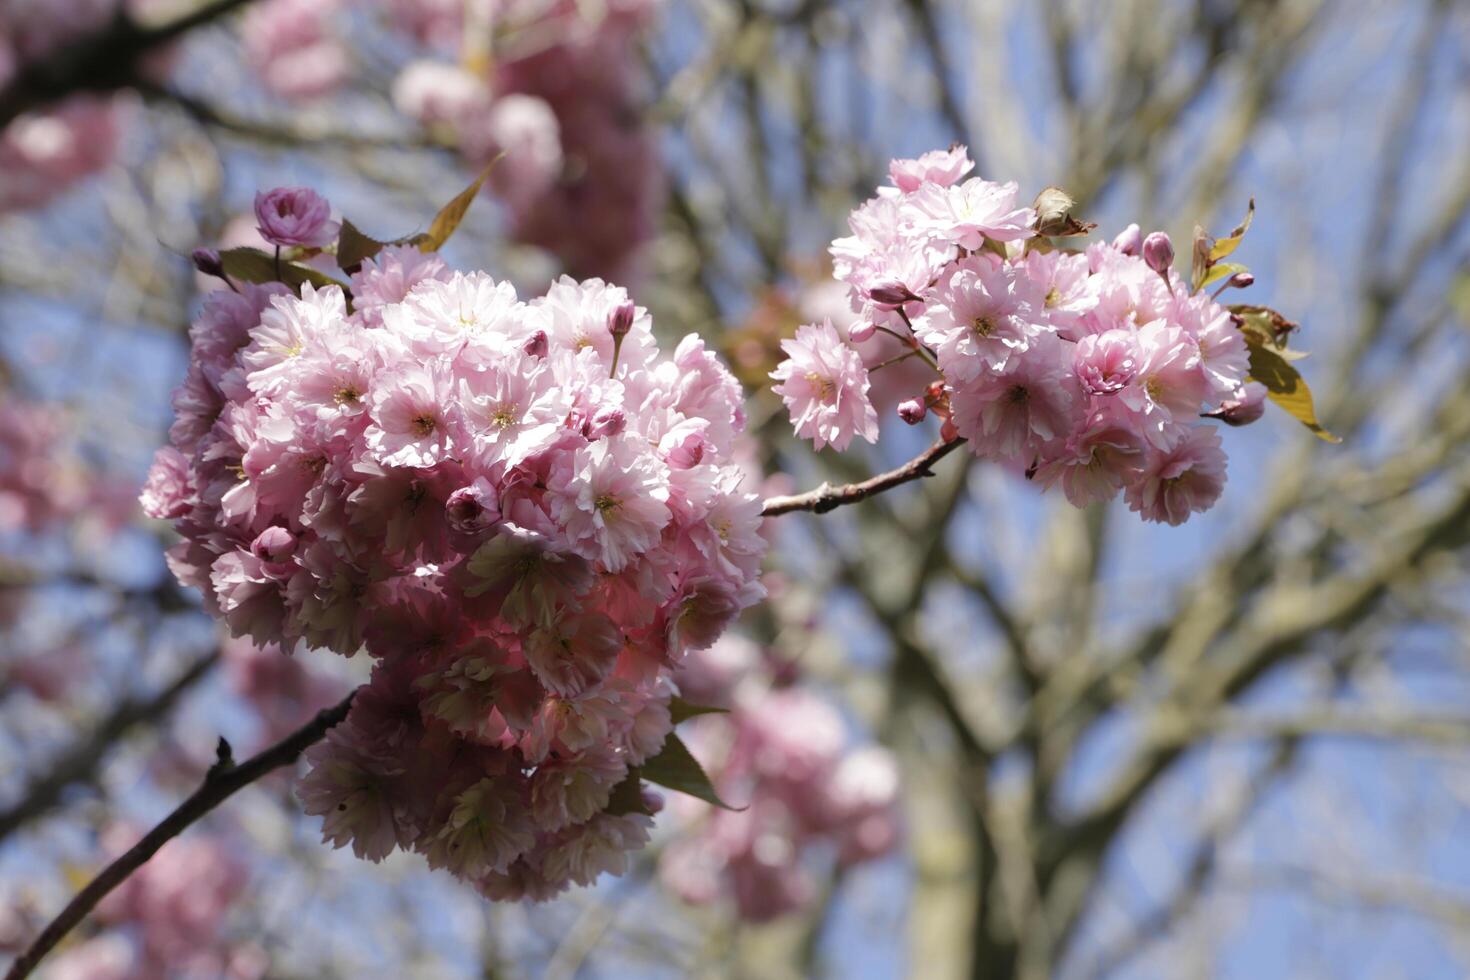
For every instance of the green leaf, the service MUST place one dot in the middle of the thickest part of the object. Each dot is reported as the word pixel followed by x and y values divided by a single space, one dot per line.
pixel 995 248
pixel 1285 387
pixel 254 265
pixel 450 216
pixel 1263 325
pixel 627 796
pixel 354 248
pixel 1225 246
pixel 1222 271
pixel 674 768
pixel 681 710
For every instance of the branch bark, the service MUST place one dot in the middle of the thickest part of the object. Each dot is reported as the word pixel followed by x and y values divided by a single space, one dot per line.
pixel 79 764
pixel 101 62
pixel 221 782
pixel 827 497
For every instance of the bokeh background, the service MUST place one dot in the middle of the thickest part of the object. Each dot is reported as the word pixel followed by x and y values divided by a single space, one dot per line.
pixel 1094 748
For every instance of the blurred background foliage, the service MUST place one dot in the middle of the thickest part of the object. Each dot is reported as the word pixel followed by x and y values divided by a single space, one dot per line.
pixel 1236 748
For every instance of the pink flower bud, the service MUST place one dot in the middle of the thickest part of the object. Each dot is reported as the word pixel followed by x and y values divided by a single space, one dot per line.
pixel 1129 240
pixel 861 331
pixel 1246 406
pixel 295 216
pixel 912 411
pixel 536 346
pixel 274 545
pixel 1241 280
pixel 473 510
pixel 1158 252
pixel 621 320
pixel 606 423
pixel 891 295
pixel 207 261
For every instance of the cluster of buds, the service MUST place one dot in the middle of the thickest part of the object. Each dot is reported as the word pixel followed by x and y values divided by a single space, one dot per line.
pixel 524 512
pixel 1090 369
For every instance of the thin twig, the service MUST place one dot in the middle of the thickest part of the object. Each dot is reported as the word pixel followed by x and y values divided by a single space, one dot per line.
pixel 221 782
pixel 827 497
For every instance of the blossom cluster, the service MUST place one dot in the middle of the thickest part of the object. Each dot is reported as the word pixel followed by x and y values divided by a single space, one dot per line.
pixel 524 512
pixel 557 92
pixel 785 755
pixel 1090 368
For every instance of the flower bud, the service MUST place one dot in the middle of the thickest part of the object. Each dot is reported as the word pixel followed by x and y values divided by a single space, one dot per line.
pixel 949 432
pixel 1158 252
pixel 621 320
pixel 861 331
pixel 274 545
pixel 473 510
pixel 295 216
pixel 536 346
pixel 1129 240
pixel 1246 406
pixel 891 295
pixel 207 261
pixel 912 411
pixel 606 423
pixel 1242 280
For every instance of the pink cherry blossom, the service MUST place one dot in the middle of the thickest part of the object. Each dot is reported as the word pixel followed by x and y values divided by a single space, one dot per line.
pixel 825 387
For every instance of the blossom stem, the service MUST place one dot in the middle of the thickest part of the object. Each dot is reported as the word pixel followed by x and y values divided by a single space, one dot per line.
pixel 221 782
pixel 912 339
pixel 278 262
pixel 893 360
pixel 827 497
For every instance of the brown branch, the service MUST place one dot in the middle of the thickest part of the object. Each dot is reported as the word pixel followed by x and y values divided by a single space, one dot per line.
pixel 79 764
pixel 104 61
pixel 827 497
pixel 221 782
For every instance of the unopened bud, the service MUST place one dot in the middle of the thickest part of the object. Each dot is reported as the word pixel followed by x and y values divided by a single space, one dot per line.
pixel 891 295
pixel 1246 406
pixel 1242 279
pixel 1129 240
pixel 474 509
pixel 607 422
pixel 621 320
pixel 1158 252
pixel 912 411
pixel 536 346
pixel 274 545
pixel 861 331
pixel 207 261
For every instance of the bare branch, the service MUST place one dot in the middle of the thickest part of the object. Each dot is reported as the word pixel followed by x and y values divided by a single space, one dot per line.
pixel 79 764
pixel 221 782
pixel 827 497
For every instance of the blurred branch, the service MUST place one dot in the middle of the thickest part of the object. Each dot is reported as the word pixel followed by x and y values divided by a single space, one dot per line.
pixel 103 62
pixel 827 497
pixel 222 781
pixel 80 763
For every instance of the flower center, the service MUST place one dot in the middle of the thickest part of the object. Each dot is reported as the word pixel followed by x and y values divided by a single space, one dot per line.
pixel 824 385
pixel 984 325
pixel 347 394
pixel 1155 388
pixel 504 416
pixel 607 503
pixel 1018 395
pixel 424 424
pixel 1053 297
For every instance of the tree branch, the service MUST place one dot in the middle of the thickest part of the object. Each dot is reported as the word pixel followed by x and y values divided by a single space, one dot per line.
pixel 79 763
pixel 221 782
pixel 827 497
pixel 101 62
